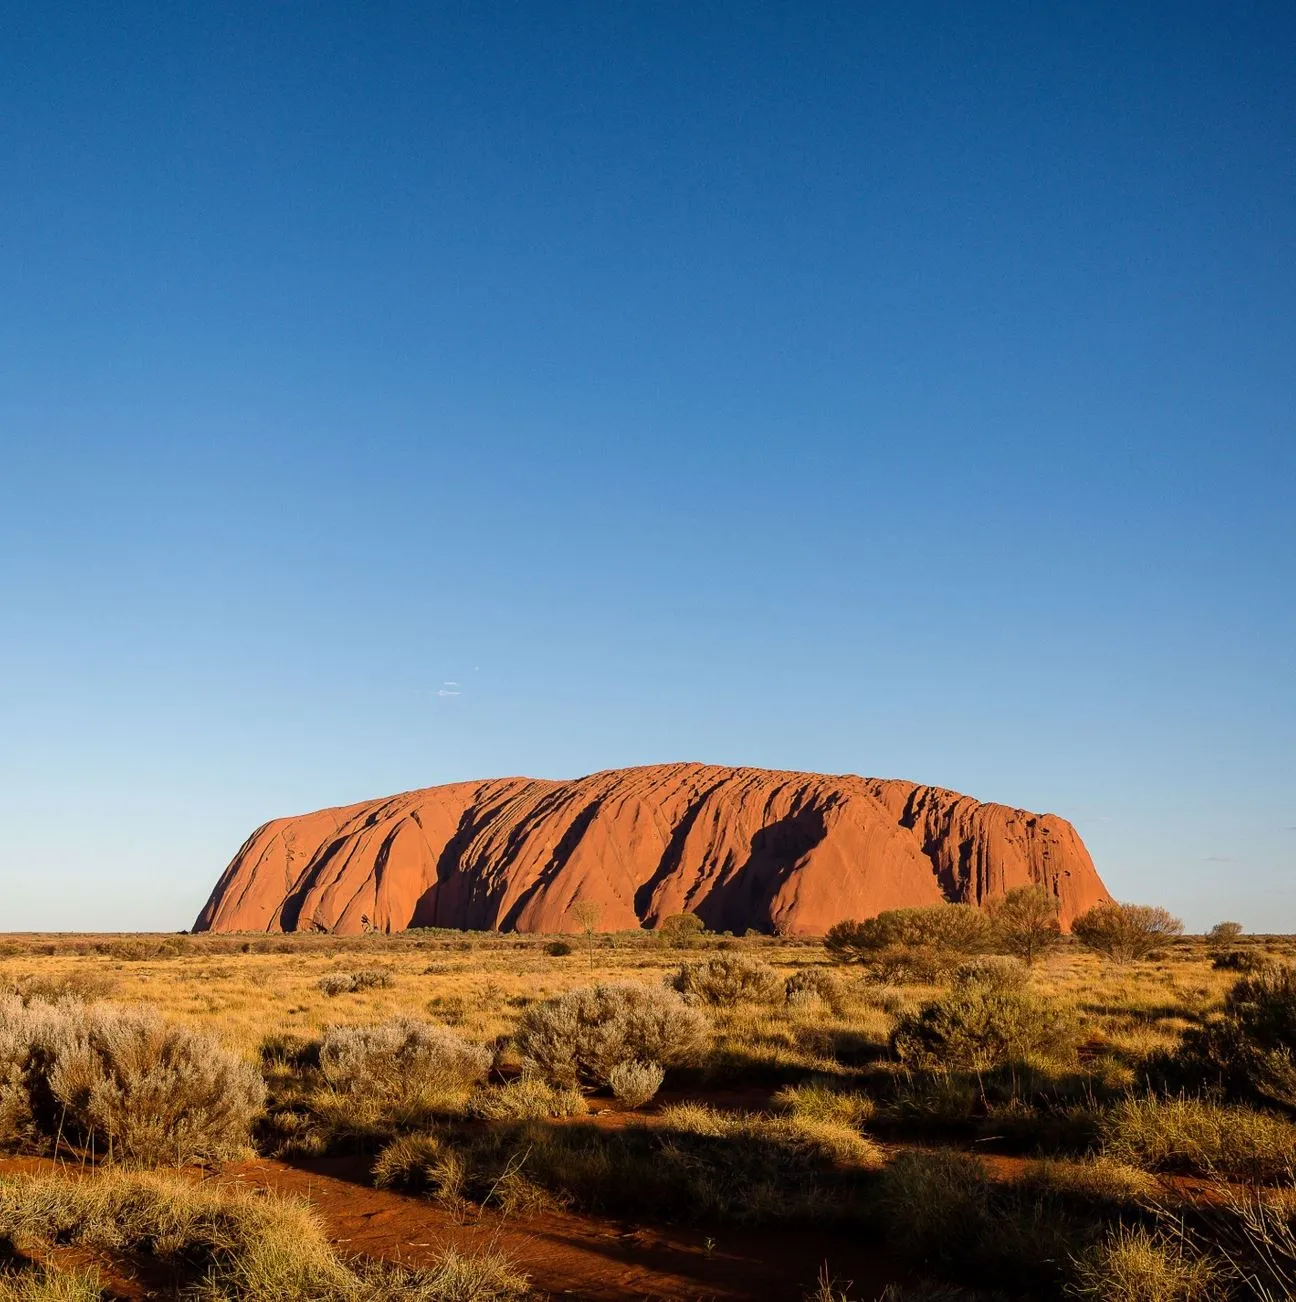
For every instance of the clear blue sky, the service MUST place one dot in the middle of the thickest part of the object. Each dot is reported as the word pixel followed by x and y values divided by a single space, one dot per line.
pixel 901 389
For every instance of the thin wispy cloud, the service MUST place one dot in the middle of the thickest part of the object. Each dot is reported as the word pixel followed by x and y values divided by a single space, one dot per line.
pixel 1218 858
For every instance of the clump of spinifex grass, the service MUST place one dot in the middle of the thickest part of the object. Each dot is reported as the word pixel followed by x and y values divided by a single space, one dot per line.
pixel 1198 1137
pixel 694 1161
pixel 229 1243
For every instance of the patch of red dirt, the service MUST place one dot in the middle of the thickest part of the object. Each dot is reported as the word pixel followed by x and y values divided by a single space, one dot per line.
pixel 570 1255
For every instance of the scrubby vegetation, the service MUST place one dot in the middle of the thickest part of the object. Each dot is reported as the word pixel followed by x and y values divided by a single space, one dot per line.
pixel 222 1244
pixel 582 1036
pixel 1020 1119
pixel 1125 932
pixel 729 980
pixel 124 1083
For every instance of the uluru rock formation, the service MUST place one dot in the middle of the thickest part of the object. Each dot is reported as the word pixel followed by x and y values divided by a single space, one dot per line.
pixel 793 852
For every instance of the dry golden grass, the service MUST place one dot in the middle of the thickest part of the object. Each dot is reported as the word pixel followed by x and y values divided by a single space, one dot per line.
pixel 480 983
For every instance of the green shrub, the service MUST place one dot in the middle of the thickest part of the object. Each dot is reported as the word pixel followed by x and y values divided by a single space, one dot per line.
pixel 976 1026
pixel 993 972
pixel 939 1206
pixel 227 1245
pixel 949 929
pixel 558 948
pixel 727 980
pixel 681 930
pixel 822 1101
pixel 579 1037
pixel 1251 1051
pixel 1238 960
pixel 1125 932
pixel 1196 1137
pixel 692 1162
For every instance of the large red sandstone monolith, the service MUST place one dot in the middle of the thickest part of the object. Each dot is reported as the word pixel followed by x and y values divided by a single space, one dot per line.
pixel 741 848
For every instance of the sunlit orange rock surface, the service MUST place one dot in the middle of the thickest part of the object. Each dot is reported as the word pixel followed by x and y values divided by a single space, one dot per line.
pixel 792 852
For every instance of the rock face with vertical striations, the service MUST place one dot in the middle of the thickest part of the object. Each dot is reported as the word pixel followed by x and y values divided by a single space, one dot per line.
pixel 741 848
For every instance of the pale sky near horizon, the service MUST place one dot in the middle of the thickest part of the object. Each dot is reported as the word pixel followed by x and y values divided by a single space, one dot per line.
pixel 395 394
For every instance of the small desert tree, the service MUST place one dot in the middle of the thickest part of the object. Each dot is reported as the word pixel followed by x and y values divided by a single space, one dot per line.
pixel 1125 932
pixel 1025 922
pixel 681 930
pixel 1223 934
pixel 586 915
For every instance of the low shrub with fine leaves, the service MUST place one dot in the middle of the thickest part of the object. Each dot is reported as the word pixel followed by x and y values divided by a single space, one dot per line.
pixel 635 1083
pixel 400 1066
pixel 123 1082
pixel 579 1037
pixel 728 980
pixel 978 1026
pixel 813 985
pixel 349 983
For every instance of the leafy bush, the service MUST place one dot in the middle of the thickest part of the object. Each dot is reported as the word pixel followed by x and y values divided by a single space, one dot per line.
pixel 1196 1137
pixel 681 930
pixel 400 1066
pixel 693 1161
pixel 727 980
pixel 1251 1051
pixel 636 1083
pixel 1238 960
pixel 1025 922
pixel 940 1205
pixel 1125 932
pixel 131 1085
pixel 579 1037
pixel 911 944
pixel 558 948
pixel 977 1026
pixel 993 972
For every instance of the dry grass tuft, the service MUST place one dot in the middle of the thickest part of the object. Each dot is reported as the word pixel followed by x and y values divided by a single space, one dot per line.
pixel 1196 1137
pixel 1133 1264
pixel 231 1244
